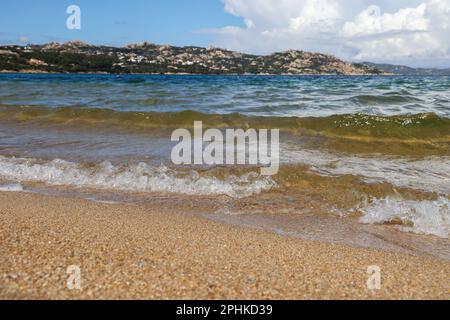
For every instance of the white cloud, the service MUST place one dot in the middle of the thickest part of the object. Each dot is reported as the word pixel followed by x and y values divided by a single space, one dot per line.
pixel 372 22
pixel 408 34
pixel 402 31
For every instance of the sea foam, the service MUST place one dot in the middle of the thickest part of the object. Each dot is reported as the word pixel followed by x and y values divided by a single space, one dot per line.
pixel 139 177
pixel 423 217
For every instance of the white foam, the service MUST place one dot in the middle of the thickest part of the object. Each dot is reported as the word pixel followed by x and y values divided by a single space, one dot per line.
pixel 14 187
pixel 431 174
pixel 423 217
pixel 138 178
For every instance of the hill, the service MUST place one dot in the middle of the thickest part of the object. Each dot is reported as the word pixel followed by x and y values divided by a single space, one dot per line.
pixel 408 71
pixel 77 57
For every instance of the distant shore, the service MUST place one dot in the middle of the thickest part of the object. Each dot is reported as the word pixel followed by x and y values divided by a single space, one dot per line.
pixel 137 252
pixel 195 74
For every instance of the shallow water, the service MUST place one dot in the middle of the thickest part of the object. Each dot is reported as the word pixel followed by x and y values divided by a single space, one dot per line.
pixel 372 149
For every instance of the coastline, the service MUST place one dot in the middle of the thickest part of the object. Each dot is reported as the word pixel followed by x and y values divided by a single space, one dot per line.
pixel 141 252
pixel 196 74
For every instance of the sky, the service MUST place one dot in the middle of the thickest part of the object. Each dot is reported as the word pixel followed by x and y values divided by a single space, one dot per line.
pixel 411 32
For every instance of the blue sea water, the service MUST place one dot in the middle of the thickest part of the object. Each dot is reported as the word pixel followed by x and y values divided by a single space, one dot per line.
pixel 298 96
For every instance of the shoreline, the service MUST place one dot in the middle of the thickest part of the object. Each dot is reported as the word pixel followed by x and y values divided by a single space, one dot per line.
pixel 142 252
pixel 198 74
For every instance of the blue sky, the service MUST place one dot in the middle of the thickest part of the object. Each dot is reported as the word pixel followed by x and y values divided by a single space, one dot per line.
pixel 411 32
pixel 114 22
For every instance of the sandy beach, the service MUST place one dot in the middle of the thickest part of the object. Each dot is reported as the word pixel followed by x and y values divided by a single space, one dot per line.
pixel 138 252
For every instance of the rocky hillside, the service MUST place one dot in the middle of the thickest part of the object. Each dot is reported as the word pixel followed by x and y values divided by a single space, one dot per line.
pixel 163 59
pixel 408 71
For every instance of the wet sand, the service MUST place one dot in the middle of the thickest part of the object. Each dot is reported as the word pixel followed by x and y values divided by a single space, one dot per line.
pixel 145 252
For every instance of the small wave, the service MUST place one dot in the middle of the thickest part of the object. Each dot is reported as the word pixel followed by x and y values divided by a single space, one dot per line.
pixel 134 178
pixel 430 175
pixel 422 217
pixel 130 80
pixel 384 99
pixel 418 127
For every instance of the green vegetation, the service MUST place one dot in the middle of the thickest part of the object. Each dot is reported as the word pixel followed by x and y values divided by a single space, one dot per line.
pixel 75 57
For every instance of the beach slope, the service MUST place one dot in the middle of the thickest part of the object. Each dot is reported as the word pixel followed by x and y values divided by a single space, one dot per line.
pixel 137 252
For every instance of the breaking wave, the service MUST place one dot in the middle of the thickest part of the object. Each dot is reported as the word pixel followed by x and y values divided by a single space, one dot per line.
pixel 134 178
pixel 423 217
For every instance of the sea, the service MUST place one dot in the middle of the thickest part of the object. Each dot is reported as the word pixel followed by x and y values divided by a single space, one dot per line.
pixel 357 150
